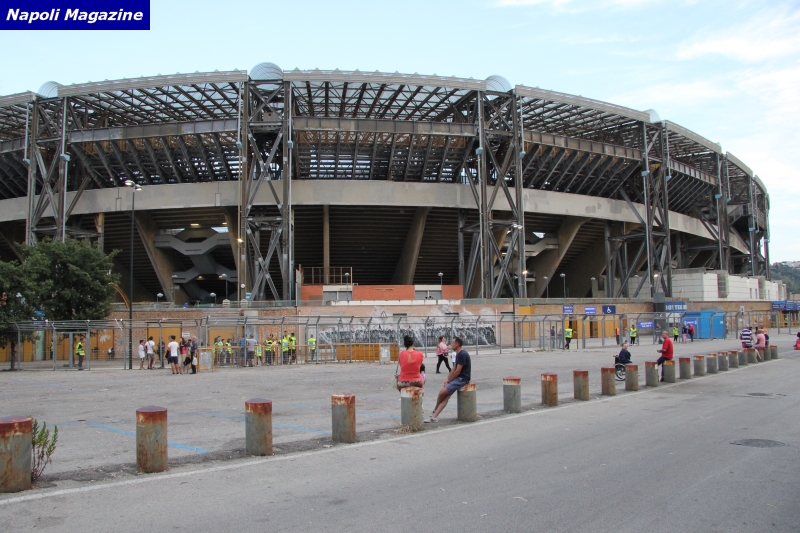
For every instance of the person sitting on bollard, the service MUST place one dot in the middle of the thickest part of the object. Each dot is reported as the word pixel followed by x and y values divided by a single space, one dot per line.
pixel 441 354
pixel 457 378
pixel 665 351
pixel 624 357
pixel 410 362
pixel 746 336
pixel 797 342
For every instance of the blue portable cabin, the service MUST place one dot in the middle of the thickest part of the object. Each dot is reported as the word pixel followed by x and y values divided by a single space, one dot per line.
pixel 704 321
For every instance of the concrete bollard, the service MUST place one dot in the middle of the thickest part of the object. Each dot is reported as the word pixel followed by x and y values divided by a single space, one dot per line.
pixel 550 389
pixel 711 363
pixel 151 439
pixel 411 407
pixel 580 385
pixel 512 394
pixel 467 408
pixel 699 365
pixel 608 381
pixel 343 418
pixel 742 355
pixel 685 367
pixel 15 453
pixel 760 355
pixel 651 374
pixel 773 352
pixel 722 361
pixel 258 426
pixel 733 359
pixel 631 377
pixel 751 355
pixel 669 371
pixel 767 353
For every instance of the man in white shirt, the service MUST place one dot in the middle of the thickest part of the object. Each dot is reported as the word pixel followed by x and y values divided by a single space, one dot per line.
pixel 151 352
pixel 173 348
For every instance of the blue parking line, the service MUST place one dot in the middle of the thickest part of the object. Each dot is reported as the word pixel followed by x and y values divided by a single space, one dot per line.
pixel 132 434
pixel 298 428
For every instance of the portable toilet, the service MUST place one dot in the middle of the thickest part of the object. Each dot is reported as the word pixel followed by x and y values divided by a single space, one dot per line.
pixel 706 322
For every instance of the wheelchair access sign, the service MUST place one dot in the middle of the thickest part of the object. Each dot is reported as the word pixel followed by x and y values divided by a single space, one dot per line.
pixel 609 309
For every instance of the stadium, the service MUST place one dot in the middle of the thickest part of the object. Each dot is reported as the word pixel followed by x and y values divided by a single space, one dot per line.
pixel 271 185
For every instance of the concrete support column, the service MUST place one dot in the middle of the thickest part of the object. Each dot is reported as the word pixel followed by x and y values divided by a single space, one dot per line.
pixel 651 374
pixel 258 426
pixel 151 439
pixel 512 394
pixel 407 265
pixel 343 418
pixel 467 408
pixel 632 377
pixel 722 361
pixel 411 407
pixel 711 363
pixel 546 263
pixel 699 365
pixel 733 359
pixel 163 264
pixel 15 453
pixel 669 371
pixel 685 367
pixel 608 381
pixel 326 244
pixel 580 385
pixel 550 389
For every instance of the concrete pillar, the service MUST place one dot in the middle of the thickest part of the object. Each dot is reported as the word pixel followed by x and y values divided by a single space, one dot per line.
pixel 751 353
pixel 163 264
pixel 343 418
pixel 411 407
pixel 546 263
pixel 258 426
pixel 773 352
pixel 733 359
pixel 15 453
pixel 326 244
pixel 550 389
pixel 651 374
pixel 669 371
pixel 631 377
pixel 699 365
pixel 467 408
pixel 760 354
pixel 742 356
pixel 512 394
pixel 608 381
pixel 407 264
pixel 711 363
pixel 151 439
pixel 580 385
pixel 685 367
pixel 722 361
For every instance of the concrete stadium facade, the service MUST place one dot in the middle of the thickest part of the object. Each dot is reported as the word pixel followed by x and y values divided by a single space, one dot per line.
pixel 252 180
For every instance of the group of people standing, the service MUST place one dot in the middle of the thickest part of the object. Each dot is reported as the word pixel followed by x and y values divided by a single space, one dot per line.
pixel 250 352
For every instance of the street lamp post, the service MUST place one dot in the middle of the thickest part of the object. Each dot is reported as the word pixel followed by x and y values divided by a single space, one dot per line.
pixel 514 309
pixel 441 285
pixel 136 187
pixel 158 297
pixel 547 288
pixel 347 283
pixel 225 277
pixel 214 295
pixel 564 279
pixel 591 291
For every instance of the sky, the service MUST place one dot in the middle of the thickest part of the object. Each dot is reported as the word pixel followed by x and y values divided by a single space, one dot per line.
pixel 728 70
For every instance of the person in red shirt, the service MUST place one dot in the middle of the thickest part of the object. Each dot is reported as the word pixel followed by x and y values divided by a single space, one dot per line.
pixel 410 362
pixel 665 351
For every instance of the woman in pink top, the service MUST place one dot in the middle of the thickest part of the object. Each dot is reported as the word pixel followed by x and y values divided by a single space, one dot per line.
pixel 410 362
pixel 441 353
pixel 761 341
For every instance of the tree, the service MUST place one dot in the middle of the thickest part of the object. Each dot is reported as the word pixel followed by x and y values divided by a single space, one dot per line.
pixel 73 279
pixel 18 297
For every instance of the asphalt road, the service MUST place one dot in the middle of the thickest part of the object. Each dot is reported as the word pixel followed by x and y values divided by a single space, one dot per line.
pixel 660 460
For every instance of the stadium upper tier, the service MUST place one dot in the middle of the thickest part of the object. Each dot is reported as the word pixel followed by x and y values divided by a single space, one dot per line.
pixel 254 133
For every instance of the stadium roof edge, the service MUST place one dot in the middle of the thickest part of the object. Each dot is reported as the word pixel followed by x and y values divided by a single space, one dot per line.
pixel 689 134
pixel 581 101
pixel 395 78
pixel 736 161
pixel 18 98
pixel 152 81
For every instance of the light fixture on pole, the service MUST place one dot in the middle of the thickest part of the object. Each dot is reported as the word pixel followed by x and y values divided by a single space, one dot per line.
pixel 441 285
pixel 591 291
pixel 174 279
pixel 159 296
pixel 214 295
pixel 564 279
pixel 225 277
pixel 347 282
pixel 547 288
pixel 136 188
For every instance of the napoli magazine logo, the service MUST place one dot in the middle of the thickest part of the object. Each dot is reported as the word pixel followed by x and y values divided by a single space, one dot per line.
pixel 77 15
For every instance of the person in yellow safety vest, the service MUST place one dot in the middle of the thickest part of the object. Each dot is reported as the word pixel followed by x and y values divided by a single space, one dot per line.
pixel 633 334
pixel 228 353
pixel 675 332
pixel 285 347
pixel 80 352
pixel 567 337
pixel 272 345
pixel 293 347
pixel 259 354
pixel 312 347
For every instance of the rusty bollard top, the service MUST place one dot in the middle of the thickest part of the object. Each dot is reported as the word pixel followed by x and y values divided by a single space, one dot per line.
pixel 580 373
pixel 631 367
pixel 411 392
pixel 607 370
pixel 549 376
pixel 699 357
pixel 733 352
pixel 469 387
pixel 684 359
pixel 15 425
pixel 343 399
pixel 667 362
pixel 151 413
pixel 651 364
pixel 512 380
pixel 258 405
